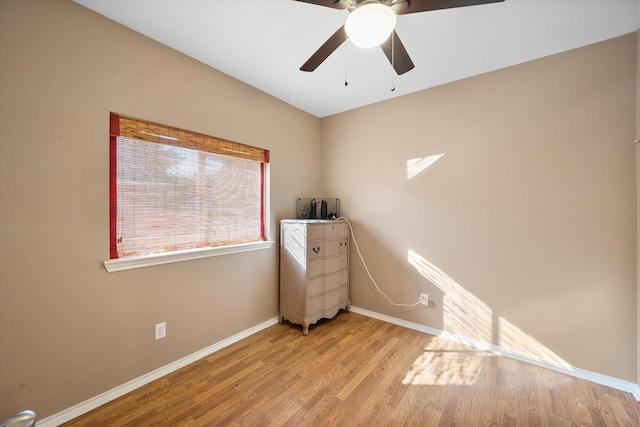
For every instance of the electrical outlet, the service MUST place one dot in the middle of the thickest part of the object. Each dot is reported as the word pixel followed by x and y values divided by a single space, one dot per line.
pixel 423 299
pixel 161 330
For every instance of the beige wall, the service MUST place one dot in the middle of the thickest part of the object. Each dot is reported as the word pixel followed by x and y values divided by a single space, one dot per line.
pixel 525 225
pixel 523 231
pixel 70 330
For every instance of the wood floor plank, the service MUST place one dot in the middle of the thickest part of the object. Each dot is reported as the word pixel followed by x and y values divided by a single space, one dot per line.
pixel 358 371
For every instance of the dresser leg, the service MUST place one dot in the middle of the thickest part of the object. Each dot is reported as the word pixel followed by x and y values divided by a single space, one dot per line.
pixel 305 329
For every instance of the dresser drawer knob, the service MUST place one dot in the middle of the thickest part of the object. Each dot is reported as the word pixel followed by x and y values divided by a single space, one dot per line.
pixel 316 250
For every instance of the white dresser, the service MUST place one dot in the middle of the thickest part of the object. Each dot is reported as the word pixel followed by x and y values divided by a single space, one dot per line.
pixel 314 270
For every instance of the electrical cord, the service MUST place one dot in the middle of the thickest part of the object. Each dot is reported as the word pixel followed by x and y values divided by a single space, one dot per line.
pixel 366 269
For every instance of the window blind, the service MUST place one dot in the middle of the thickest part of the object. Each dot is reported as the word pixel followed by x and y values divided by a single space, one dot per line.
pixel 173 189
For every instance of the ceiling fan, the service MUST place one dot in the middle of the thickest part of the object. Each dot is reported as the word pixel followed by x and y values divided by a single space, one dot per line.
pixel 391 46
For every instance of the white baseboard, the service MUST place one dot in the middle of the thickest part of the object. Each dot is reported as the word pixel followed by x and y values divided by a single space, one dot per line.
pixel 605 380
pixel 88 405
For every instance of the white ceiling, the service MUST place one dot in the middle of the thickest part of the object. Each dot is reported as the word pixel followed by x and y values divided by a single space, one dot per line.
pixel 264 42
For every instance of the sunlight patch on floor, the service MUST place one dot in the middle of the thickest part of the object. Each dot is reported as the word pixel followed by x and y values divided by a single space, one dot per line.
pixel 444 366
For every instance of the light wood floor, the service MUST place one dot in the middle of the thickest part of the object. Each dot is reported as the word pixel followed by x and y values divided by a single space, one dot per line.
pixel 358 371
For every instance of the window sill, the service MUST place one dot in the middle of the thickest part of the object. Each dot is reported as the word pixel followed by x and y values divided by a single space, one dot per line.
pixel 128 263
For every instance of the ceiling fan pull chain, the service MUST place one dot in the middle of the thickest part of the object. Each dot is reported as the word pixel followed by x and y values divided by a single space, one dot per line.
pixel 393 62
pixel 346 62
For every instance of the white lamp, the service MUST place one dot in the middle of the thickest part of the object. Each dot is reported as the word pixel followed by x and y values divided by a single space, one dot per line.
pixel 370 24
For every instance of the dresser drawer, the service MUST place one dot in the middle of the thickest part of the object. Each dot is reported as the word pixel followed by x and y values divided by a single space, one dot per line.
pixel 325 301
pixel 321 266
pixel 327 230
pixel 327 283
pixel 324 248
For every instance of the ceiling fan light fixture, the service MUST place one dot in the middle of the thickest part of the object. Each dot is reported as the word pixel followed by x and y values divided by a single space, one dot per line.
pixel 370 24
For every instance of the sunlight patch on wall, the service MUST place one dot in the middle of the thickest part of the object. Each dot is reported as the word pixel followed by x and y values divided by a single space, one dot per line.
pixel 511 337
pixel 417 165
pixel 468 317
pixel 463 313
pixel 445 363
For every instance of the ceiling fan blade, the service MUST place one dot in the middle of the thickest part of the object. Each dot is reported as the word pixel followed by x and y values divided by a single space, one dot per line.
pixel 336 4
pixel 325 50
pixel 415 6
pixel 397 54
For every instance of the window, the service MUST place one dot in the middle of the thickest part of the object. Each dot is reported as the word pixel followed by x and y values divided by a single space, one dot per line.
pixel 173 190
